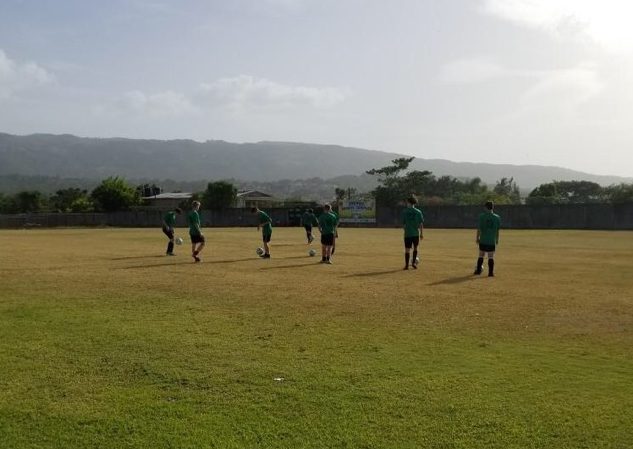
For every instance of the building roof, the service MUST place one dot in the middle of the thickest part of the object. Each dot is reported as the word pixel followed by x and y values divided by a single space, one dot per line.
pixel 253 194
pixel 170 196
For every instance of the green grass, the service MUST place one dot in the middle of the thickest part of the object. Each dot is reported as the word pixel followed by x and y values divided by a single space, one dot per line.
pixel 106 343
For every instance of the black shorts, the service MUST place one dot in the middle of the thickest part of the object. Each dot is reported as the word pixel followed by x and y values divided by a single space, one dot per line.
pixel 308 228
pixel 266 237
pixel 327 239
pixel 197 238
pixel 169 232
pixel 487 248
pixel 411 241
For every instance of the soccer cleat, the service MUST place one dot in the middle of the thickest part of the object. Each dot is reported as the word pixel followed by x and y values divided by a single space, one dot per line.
pixel 266 256
pixel 406 267
pixel 329 262
pixel 415 266
pixel 197 259
pixel 491 275
pixel 477 272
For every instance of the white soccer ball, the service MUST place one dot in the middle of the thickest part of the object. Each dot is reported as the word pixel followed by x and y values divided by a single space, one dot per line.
pixel 312 253
pixel 178 240
pixel 259 251
pixel 417 260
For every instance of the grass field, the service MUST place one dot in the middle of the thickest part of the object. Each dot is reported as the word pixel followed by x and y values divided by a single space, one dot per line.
pixel 107 343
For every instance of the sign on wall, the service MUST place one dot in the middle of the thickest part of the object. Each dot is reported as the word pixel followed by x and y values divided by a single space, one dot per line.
pixel 359 210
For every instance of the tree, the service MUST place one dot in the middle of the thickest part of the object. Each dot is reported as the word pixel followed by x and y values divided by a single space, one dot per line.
pixel 567 192
pixel 508 191
pixel 29 201
pixel 219 195
pixel 620 193
pixel 71 199
pixel 114 194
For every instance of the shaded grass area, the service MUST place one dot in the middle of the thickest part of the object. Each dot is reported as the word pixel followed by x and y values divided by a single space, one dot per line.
pixel 105 343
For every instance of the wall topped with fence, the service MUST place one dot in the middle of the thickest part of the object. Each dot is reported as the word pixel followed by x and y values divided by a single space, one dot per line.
pixel 571 216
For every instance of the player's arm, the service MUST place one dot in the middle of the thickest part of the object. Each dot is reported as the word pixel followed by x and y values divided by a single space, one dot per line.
pixel 422 231
pixel 477 236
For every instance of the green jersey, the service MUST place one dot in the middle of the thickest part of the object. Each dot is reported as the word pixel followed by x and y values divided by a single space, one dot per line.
pixel 412 218
pixel 193 219
pixel 489 224
pixel 335 216
pixel 265 221
pixel 170 219
pixel 327 223
pixel 309 219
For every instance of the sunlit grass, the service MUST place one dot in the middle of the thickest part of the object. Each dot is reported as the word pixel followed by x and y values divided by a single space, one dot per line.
pixel 105 342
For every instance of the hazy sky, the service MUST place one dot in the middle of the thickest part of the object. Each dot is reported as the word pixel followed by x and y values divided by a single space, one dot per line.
pixel 506 81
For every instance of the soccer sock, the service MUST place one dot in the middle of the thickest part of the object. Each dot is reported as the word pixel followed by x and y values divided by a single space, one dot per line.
pixel 406 259
pixel 195 253
pixel 491 266
pixel 170 247
pixel 480 263
pixel 332 253
pixel 415 255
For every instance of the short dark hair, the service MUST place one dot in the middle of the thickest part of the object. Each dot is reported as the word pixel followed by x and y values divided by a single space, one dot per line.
pixel 327 206
pixel 412 199
pixel 489 205
pixel 253 209
pixel 178 210
pixel 309 211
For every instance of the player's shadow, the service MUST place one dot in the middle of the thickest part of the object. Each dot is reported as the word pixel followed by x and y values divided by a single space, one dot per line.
pixel 229 261
pixel 455 280
pixel 373 273
pixel 138 257
pixel 281 267
pixel 155 265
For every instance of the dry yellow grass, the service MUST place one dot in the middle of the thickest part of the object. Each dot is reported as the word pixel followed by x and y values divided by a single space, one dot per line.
pixel 92 319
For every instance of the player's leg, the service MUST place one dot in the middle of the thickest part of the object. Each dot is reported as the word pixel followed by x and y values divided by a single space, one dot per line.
pixel 414 259
pixel 480 261
pixel 491 263
pixel 334 244
pixel 266 240
pixel 169 232
pixel 408 243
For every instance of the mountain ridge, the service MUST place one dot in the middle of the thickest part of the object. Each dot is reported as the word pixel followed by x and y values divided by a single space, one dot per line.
pixel 69 156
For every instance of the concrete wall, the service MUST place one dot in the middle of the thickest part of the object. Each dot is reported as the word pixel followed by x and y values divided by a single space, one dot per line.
pixel 573 216
pixel 568 216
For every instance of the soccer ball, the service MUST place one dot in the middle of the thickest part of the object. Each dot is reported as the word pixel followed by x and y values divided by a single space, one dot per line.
pixel 259 251
pixel 178 240
pixel 312 253
pixel 417 260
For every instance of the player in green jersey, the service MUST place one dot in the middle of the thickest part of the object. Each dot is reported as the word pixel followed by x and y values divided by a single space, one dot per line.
pixel 336 216
pixel 327 227
pixel 266 224
pixel 413 224
pixel 197 239
pixel 308 219
pixel 487 238
pixel 169 222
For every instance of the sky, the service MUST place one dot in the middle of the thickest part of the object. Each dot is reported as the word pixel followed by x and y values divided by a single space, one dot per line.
pixel 545 82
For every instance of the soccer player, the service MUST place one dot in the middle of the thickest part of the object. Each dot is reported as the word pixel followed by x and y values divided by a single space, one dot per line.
pixel 169 221
pixel 333 212
pixel 266 224
pixel 327 227
pixel 413 224
pixel 487 238
pixel 197 239
pixel 308 219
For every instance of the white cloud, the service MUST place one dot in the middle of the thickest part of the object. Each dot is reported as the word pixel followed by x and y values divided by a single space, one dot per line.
pixel 16 77
pixel 605 22
pixel 472 70
pixel 247 92
pixel 564 89
pixel 160 104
